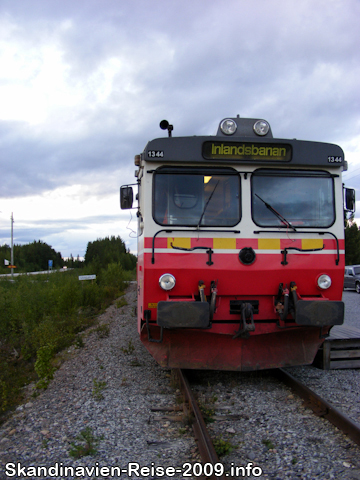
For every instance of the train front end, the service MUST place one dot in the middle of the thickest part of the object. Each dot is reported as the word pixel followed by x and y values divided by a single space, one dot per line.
pixel 240 248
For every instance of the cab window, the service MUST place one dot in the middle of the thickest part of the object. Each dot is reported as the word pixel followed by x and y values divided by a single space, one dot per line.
pixel 196 197
pixel 303 199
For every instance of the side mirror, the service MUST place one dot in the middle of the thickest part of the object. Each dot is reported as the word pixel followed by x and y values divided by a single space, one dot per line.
pixel 126 197
pixel 350 199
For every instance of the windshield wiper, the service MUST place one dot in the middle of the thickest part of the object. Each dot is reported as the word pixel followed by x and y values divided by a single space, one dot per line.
pixel 277 214
pixel 207 203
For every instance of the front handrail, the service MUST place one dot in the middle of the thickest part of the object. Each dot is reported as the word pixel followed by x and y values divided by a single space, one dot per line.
pixel 166 230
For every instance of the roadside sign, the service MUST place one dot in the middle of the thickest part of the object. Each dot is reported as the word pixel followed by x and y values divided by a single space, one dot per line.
pixel 87 277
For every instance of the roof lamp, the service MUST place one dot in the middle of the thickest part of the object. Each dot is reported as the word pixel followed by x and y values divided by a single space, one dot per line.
pixel 228 126
pixel 261 127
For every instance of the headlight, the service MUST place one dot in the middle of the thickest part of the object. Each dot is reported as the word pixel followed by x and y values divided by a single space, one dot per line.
pixel 261 127
pixel 324 282
pixel 228 126
pixel 167 281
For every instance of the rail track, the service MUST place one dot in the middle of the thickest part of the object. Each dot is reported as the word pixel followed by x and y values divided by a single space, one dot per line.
pixel 320 407
pixel 202 436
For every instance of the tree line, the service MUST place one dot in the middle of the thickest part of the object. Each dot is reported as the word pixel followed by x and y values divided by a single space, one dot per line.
pixel 109 250
pixel 352 243
pixel 31 257
pixel 35 256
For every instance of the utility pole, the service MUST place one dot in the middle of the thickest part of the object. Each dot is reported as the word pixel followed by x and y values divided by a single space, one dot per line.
pixel 12 244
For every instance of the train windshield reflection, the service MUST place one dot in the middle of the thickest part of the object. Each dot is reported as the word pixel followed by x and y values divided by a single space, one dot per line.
pixel 305 199
pixel 196 198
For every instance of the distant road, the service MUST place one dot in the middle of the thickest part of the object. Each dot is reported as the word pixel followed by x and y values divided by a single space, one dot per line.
pixel 352 303
pixel 36 273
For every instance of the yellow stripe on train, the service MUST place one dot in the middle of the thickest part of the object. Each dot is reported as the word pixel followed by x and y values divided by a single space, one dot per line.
pixel 179 242
pixel 311 243
pixel 224 243
pixel 230 243
pixel 269 244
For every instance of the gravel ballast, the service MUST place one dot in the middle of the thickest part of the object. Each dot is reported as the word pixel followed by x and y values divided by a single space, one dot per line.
pixel 111 385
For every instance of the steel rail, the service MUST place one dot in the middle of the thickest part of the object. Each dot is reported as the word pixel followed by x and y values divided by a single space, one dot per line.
pixel 205 445
pixel 321 407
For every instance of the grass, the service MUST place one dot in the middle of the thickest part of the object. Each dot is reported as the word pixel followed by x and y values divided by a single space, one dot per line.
pixel 102 331
pixel 207 412
pixel 44 314
pixel 121 303
pixel 223 447
pixel 268 443
pixel 87 444
pixel 129 349
pixel 98 388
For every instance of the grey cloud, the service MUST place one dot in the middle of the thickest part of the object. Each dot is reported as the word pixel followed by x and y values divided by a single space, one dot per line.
pixel 294 63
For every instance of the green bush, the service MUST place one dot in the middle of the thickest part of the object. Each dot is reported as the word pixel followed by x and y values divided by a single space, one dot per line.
pixel 113 276
pixel 42 314
pixel 91 295
pixel 43 366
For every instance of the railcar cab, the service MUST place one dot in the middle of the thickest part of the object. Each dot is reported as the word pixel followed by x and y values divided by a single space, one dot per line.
pixel 240 243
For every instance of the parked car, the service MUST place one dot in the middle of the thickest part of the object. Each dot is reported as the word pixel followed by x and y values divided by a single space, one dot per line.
pixel 352 277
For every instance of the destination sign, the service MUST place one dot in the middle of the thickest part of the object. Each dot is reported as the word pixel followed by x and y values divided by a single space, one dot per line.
pixel 247 151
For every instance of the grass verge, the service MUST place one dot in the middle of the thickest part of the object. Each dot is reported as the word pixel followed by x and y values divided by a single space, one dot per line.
pixel 40 315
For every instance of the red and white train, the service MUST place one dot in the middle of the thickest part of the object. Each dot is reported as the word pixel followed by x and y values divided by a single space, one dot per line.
pixel 240 247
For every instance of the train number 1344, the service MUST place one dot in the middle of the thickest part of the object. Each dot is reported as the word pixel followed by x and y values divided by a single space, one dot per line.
pixel 155 153
pixel 334 159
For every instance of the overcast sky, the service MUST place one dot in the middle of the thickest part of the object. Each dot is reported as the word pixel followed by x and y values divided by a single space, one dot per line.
pixel 85 83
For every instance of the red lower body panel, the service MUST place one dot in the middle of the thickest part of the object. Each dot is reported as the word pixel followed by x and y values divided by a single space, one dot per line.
pixel 197 349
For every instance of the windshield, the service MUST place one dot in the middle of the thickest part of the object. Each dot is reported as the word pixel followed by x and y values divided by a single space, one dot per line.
pixel 206 197
pixel 304 199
